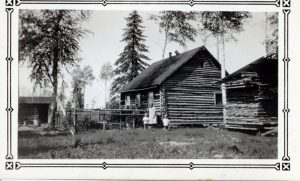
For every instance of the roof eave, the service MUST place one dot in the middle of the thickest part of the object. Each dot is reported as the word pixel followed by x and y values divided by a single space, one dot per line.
pixel 139 89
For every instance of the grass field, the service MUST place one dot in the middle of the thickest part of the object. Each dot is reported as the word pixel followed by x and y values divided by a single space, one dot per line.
pixel 179 143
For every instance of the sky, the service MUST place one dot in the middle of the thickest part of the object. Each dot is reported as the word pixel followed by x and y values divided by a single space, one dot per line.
pixel 104 45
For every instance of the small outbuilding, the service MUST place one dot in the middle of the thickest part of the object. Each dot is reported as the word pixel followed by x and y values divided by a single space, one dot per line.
pixel 252 96
pixel 182 86
pixel 39 107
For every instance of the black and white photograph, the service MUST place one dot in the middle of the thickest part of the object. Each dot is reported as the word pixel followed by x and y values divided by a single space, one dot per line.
pixel 149 90
pixel 155 85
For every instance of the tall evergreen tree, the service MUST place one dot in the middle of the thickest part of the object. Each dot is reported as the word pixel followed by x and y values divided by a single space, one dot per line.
pixel 49 41
pixel 132 60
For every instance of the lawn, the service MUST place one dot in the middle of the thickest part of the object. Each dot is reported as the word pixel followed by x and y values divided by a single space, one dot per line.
pixel 178 143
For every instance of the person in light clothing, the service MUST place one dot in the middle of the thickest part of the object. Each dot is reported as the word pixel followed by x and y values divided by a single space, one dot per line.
pixel 152 116
pixel 166 122
pixel 146 120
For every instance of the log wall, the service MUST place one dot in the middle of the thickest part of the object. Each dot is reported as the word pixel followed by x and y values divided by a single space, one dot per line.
pixel 190 93
pixel 251 103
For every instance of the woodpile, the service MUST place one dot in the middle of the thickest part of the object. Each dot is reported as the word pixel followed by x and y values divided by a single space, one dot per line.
pixel 252 97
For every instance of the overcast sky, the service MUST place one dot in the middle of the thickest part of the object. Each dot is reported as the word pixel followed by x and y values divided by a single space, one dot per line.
pixel 104 45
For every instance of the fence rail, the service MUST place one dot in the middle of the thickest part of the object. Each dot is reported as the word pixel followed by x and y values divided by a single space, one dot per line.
pixel 105 117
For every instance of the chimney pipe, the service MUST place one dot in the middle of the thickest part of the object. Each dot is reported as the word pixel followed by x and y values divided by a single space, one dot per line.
pixel 177 52
pixel 170 54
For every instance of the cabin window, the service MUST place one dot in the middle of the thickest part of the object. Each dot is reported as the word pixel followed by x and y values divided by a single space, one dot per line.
pixel 138 100
pixel 150 99
pixel 127 102
pixel 201 64
pixel 218 98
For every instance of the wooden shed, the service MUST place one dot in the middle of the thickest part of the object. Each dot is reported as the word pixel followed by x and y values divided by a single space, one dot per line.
pixel 252 95
pixel 182 86
pixel 40 107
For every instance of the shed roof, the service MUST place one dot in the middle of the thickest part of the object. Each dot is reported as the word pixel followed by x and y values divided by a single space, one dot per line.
pixel 264 65
pixel 159 71
pixel 36 100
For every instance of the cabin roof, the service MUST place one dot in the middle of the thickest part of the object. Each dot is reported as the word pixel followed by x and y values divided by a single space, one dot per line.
pixel 264 66
pixel 159 71
pixel 36 100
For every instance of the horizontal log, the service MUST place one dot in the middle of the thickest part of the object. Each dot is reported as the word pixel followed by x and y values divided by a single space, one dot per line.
pixel 176 109
pixel 180 121
pixel 240 128
pixel 199 111
pixel 196 118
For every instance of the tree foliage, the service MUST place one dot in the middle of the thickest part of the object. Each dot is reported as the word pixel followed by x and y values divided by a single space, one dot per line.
pixel 132 60
pixel 80 79
pixel 49 41
pixel 176 26
pixel 271 42
pixel 106 73
pixel 222 25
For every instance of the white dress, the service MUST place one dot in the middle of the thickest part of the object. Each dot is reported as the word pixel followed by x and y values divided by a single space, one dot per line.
pixel 146 120
pixel 166 122
pixel 152 116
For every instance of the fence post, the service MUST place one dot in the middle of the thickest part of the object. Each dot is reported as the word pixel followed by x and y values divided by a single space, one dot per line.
pixel 120 119
pixel 104 122
pixel 75 119
pixel 90 116
pixel 134 117
pixel 99 115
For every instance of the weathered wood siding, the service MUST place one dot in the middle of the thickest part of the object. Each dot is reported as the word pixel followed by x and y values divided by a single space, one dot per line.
pixel 251 103
pixel 27 112
pixel 190 92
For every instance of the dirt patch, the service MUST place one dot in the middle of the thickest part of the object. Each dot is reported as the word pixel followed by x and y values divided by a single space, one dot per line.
pixel 175 143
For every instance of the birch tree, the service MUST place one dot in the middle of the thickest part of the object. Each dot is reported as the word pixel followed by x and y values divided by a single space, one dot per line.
pixel 222 26
pixel 106 73
pixel 176 26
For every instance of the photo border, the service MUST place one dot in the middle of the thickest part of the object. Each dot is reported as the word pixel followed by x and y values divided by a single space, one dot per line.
pixel 283 165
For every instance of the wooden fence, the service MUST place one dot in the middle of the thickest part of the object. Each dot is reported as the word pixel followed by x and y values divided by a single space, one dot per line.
pixel 106 117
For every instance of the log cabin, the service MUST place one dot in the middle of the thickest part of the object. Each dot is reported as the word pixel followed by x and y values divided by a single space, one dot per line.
pixel 182 86
pixel 40 107
pixel 252 96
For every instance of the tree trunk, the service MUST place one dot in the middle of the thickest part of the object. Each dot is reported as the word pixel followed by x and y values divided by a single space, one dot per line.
pixel 55 82
pixel 165 45
pixel 55 71
pixel 223 71
pixel 105 93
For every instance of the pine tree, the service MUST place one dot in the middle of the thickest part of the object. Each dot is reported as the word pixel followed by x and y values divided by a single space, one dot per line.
pixel 132 61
